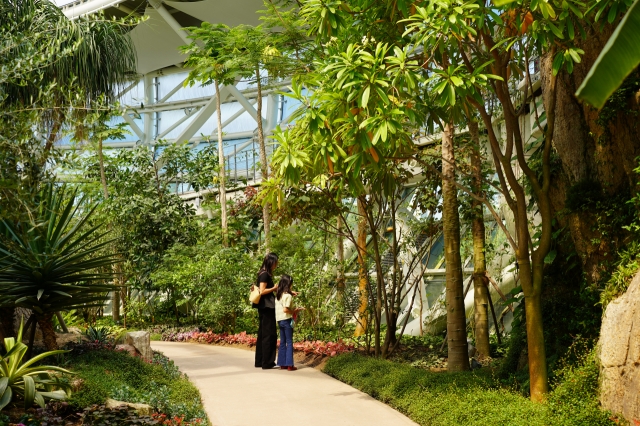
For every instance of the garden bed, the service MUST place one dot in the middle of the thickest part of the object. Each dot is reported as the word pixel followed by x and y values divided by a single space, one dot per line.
pixel 248 341
pixel 470 398
pixel 154 393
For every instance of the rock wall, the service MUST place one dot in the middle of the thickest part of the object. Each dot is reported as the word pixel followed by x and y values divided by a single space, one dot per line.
pixel 619 352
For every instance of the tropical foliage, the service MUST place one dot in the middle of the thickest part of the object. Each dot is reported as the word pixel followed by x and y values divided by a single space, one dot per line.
pixel 22 379
pixel 619 57
pixel 51 260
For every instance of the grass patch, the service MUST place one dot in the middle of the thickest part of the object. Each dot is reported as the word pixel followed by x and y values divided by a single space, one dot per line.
pixel 112 374
pixel 470 398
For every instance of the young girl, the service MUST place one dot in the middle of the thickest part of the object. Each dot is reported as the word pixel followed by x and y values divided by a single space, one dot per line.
pixel 284 316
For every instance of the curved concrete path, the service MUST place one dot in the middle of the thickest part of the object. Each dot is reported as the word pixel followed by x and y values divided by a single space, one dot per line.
pixel 235 393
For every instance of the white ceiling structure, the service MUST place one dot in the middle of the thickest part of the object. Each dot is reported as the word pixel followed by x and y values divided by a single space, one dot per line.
pixel 161 109
pixel 158 39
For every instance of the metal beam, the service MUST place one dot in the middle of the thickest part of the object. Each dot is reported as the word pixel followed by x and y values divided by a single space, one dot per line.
pixel 225 137
pixel 193 102
pixel 128 10
pixel 177 123
pixel 243 101
pixel 147 116
pixel 77 9
pixel 272 112
pixel 127 89
pixel 164 13
pixel 233 117
pixel 133 126
pixel 202 117
pixel 173 91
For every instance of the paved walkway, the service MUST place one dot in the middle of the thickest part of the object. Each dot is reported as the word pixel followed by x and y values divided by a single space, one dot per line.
pixel 235 393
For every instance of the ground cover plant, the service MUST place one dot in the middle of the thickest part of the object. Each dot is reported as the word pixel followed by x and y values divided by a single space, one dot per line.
pixel 472 398
pixel 112 374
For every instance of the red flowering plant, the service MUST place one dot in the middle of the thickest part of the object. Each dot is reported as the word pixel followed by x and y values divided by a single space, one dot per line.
pixel 317 347
pixel 163 419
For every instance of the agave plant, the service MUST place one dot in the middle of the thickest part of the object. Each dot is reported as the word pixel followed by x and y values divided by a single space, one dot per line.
pixel 53 259
pixel 99 334
pixel 21 379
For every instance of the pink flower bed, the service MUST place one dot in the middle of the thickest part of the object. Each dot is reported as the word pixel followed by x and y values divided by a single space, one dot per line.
pixel 317 347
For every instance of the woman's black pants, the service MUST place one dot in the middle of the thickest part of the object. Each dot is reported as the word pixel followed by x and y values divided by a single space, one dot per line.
pixel 267 338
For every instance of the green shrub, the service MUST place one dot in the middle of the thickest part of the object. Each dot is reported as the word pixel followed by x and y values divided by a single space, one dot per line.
pixel 574 399
pixel 625 269
pixel 469 398
pixel 117 375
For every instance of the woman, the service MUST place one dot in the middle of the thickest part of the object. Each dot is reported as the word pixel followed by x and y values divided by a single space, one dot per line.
pixel 267 337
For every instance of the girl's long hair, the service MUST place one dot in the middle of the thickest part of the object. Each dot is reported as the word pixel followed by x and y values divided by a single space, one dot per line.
pixel 284 286
pixel 269 263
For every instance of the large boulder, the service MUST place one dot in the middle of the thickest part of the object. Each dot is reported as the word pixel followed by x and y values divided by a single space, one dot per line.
pixel 128 349
pixel 141 340
pixel 619 352
pixel 142 409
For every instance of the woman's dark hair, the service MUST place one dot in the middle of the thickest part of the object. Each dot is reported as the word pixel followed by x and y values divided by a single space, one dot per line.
pixel 284 286
pixel 269 263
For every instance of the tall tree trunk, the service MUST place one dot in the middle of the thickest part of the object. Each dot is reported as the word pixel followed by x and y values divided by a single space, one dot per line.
pixel 393 308
pixel 361 327
pixel 538 376
pixel 53 135
pixel 340 279
pixel 266 212
pixel 45 321
pixel 597 153
pixel 7 318
pixel 115 299
pixel 380 287
pixel 480 290
pixel 222 192
pixel 456 320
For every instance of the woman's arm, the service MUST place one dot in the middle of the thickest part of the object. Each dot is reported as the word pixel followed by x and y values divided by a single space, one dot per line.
pixel 265 290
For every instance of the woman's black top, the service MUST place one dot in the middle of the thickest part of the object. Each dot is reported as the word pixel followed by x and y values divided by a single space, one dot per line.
pixel 266 300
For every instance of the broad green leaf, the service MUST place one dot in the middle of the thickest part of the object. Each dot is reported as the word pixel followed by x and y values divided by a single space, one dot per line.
pixel 550 257
pixel 502 2
pixel 39 399
pixel 365 96
pixel 555 30
pixel 5 399
pixel 575 56
pixel 619 57
pixel 456 80
pixel 29 391
pixel 557 62
pixel 4 383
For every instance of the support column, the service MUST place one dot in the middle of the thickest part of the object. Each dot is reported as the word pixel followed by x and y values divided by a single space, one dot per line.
pixel 147 117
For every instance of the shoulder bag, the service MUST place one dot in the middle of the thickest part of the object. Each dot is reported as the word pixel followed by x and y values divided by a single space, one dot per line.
pixel 254 296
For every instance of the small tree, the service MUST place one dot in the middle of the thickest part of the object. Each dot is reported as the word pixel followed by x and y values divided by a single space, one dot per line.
pixel 212 62
pixel 51 261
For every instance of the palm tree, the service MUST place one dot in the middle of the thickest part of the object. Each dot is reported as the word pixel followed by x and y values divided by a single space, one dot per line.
pixel 57 70
pixel 53 259
pixel 91 56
